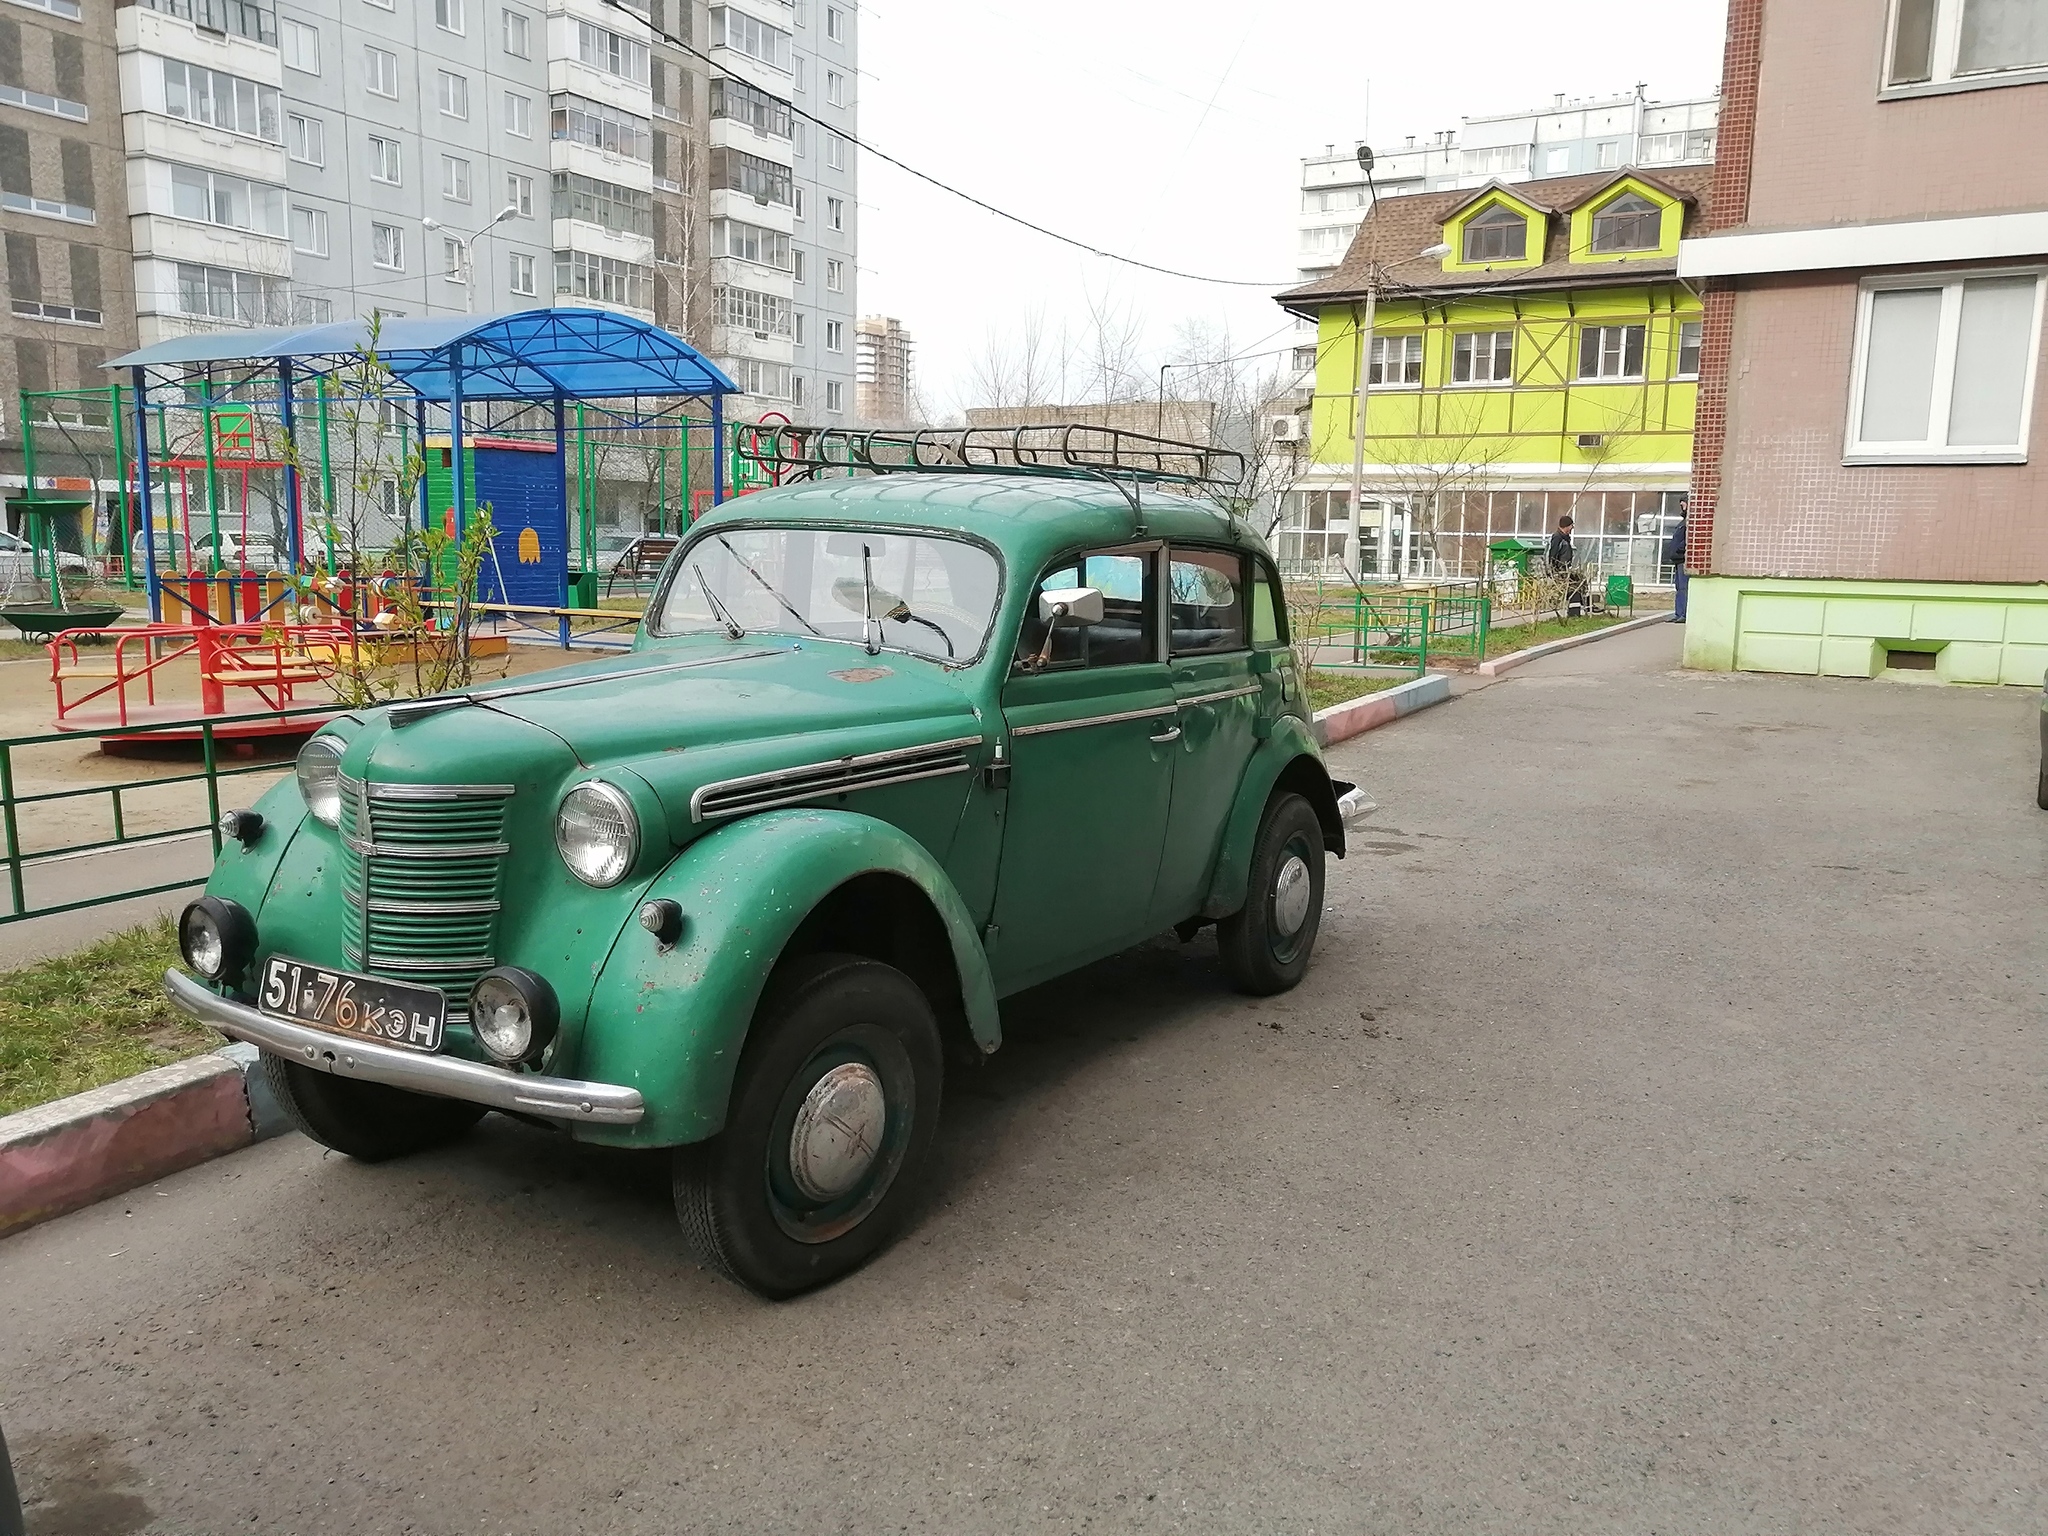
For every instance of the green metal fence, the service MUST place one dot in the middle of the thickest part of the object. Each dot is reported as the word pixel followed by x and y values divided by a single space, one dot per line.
pixel 210 732
pixel 1405 629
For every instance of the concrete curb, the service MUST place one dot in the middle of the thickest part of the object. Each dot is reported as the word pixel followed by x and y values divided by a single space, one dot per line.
pixel 1354 717
pixel 69 1153
pixel 1514 659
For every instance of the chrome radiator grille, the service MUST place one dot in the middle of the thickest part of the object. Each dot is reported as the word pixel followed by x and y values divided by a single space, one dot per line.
pixel 421 880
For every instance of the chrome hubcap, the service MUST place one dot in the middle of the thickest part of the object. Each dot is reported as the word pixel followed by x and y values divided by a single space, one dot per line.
pixel 838 1131
pixel 1290 896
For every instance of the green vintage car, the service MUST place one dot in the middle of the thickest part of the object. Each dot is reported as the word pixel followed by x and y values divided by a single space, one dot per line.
pixel 885 751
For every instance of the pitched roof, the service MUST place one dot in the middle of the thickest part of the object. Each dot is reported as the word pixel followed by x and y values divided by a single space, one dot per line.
pixel 1399 229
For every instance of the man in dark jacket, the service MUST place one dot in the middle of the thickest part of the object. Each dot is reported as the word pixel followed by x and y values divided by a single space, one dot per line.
pixel 1562 563
pixel 1674 556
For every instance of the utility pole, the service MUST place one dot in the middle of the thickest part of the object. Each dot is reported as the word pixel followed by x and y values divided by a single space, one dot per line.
pixel 1364 392
pixel 465 257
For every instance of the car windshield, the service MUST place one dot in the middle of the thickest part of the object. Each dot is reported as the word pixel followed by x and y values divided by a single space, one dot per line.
pixel 931 595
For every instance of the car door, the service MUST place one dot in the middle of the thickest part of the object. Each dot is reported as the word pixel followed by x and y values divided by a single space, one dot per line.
pixel 1091 737
pixel 1217 699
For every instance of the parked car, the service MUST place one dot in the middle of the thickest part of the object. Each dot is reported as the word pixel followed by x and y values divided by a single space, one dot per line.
pixel 884 751
pixel 18 563
pixel 257 552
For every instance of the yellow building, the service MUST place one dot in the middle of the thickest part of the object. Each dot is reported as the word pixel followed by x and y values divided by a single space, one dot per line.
pixel 1533 353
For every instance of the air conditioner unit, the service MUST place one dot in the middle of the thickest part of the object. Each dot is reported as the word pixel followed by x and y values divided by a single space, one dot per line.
pixel 1286 429
pixel 1591 439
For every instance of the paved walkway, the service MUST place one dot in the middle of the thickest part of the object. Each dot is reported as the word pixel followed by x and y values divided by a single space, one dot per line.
pixel 1656 1146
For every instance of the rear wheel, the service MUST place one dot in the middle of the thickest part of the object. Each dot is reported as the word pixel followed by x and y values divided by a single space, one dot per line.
pixel 828 1131
pixel 1266 943
pixel 371 1122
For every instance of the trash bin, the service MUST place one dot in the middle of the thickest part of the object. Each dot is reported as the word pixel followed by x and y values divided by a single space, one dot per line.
pixel 1621 593
pixel 1515 551
pixel 583 589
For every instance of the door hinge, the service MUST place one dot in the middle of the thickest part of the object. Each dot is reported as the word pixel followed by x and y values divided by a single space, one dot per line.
pixel 997 774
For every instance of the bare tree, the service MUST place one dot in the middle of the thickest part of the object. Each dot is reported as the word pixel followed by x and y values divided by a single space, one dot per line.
pixel 1028 367
pixel 1462 461
pixel 1113 371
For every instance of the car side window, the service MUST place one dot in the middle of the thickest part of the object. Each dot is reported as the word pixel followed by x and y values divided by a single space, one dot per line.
pixel 1269 606
pixel 1205 601
pixel 1129 631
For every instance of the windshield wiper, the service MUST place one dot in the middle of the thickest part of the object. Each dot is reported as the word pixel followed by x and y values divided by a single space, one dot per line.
pixel 770 588
pixel 733 631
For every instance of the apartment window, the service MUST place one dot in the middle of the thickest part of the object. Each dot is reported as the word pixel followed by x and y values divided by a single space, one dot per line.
pixel 798 268
pixel 383 5
pixel 1607 154
pixel 798 393
pixel 1945 367
pixel 451 260
pixel 233 202
pixel 835 151
pixel 387 247
pixel 1630 223
pixel 222 293
pixel 835 396
pixel 581 121
pixel 70 10
pixel 797 201
pixel 750 242
pixel 519 193
pixel 1304 359
pixel 1483 357
pixel 741 102
pixel 307 310
pixel 455 178
pixel 449 16
pixel 1670 148
pixel 1611 351
pixel 300 45
pixel 519 273
pixel 835 212
pixel 221 101
pixel 380 71
pixel 305 139
pixel 835 274
pixel 835 23
pixel 835 87
pixel 48 105
pixel 384 165
pixel 797 73
pixel 309 231
pixel 1688 349
pixel 763 180
pixel 584 276
pixel 1497 233
pixel 747 34
pixel 615 55
pixel 253 19
pixel 801 334
pixel 454 95
pixel 1396 360
pixel 835 335
pixel 1935 41
pixel 769 381
pixel 518 36
pixel 765 314
pixel 799 137
pixel 518 115
pixel 622 210
pixel 1497 160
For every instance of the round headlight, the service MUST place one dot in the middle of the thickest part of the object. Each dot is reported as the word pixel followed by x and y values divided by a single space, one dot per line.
pixel 597 833
pixel 513 1014
pixel 217 938
pixel 320 779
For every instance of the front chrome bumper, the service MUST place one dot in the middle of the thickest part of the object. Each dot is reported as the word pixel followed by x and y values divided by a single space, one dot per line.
pixel 556 1098
pixel 1353 807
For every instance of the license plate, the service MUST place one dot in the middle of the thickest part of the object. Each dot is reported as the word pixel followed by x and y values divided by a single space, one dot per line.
pixel 369 1007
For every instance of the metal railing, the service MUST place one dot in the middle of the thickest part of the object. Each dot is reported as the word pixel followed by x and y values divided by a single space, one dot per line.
pixel 1407 628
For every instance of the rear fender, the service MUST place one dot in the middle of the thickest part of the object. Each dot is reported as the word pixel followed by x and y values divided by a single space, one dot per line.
pixel 672 1022
pixel 1289 759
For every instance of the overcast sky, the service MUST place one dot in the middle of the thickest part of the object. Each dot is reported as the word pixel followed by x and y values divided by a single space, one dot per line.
pixel 1173 130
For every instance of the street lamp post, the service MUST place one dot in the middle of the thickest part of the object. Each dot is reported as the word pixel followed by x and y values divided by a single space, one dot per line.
pixel 462 245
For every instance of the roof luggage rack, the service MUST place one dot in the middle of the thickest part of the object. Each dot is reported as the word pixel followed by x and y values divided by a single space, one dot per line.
pixel 1069 451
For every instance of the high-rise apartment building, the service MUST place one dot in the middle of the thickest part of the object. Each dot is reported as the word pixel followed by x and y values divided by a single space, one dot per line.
pixel 63 207
pixel 883 389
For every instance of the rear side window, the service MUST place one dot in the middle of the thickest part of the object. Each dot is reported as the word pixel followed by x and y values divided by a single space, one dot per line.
pixel 1205 599
pixel 1269 606
pixel 1129 631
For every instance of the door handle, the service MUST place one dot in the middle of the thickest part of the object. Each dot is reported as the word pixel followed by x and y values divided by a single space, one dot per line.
pixel 1171 733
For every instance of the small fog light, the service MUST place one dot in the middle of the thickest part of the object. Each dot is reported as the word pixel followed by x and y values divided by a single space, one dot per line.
pixel 243 827
pixel 663 919
pixel 217 938
pixel 514 1014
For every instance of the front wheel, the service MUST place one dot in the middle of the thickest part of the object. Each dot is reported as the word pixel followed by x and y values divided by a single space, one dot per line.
pixel 828 1131
pixel 1266 943
pixel 371 1122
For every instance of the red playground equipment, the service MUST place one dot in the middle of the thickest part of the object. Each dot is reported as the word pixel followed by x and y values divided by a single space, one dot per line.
pixel 264 663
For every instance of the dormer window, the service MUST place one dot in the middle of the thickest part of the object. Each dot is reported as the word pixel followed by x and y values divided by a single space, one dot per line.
pixel 1497 234
pixel 1630 223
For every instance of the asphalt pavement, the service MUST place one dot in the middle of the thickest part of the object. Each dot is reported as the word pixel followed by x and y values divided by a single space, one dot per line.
pixel 1655 1147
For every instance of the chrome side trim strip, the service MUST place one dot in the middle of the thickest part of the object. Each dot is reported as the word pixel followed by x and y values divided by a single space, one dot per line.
pixel 427 850
pixel 1074 725
pixel 555 1098
pixel 835 776
pixel 1218 698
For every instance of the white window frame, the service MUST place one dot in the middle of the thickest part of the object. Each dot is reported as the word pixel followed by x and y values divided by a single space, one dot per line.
pixel 519 272
pixel 1933 451
pixel 1385 344
pixel 451 260
pixel 397 178
pixel 314 138
pixel 378 64
pixel 307 37
pixel 518 24
pixel 383 5
pixel 518 115
pixel 835 88
pixel 452 16
pixel 835 274
pixel 798 267
pixel 835 397
pixel 316 222
pixel 1578 361
pixel 1942 60
pixel 454 90
pixel 835 335
pixel 835 151
pixel 835 23
pixel 796 202
pixel 397 247
pixel 456 172
pixel 1678 348
pixel 519 193
pixel 1492 358
pixel 835 212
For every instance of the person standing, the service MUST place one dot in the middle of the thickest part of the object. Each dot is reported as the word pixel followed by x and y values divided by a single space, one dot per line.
pixel 1564 563
pixel 1674 556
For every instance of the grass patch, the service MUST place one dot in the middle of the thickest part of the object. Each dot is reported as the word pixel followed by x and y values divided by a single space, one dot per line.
pixel 15 649
pixel 1520 637
pixel 79 1020
pixel 1327 688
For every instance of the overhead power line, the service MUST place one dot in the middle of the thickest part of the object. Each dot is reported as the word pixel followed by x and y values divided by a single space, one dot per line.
pixel 987 207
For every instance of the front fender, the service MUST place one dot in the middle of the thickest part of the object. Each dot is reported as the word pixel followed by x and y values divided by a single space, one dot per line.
pixel 672 1022
pixel 1291 744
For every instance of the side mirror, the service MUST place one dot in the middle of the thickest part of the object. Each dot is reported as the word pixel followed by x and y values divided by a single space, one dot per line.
pixel 1078 605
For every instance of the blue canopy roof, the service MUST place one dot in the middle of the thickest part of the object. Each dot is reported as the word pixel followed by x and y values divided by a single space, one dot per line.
pixel 534 354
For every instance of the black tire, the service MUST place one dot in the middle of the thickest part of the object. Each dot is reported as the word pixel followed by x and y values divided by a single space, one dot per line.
pixel 742 1200
pixel 369 1121
pixel 1262 953
pixel 2041 789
